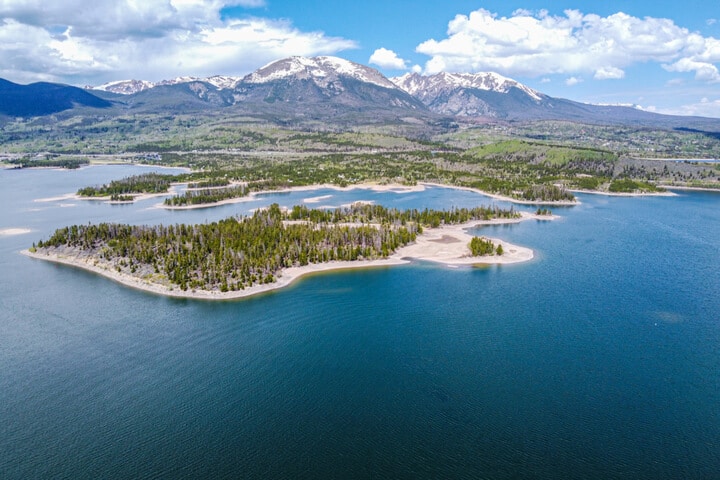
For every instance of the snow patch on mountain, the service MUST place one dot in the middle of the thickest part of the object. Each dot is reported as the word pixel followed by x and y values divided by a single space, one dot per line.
pixel 431 86
pixel 321 70
pixel 124 87
pixel 128 87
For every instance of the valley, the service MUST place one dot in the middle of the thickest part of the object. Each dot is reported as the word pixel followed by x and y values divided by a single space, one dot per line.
pixel 325 120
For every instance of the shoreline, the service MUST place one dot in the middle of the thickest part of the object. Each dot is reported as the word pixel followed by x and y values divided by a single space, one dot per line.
pixel 446 245
pixel 375 187
pixel 559 203
pixel 627 194
pixel 304 188
pixel 691 189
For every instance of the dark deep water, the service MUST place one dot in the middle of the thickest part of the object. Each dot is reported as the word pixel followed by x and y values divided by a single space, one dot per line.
pixel 598 359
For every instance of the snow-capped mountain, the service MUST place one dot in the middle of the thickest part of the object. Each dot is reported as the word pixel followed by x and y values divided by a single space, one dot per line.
pixel 129 87
pixel 432 85
pixel 466 94
pixel 321 70
pixel 123 87
pixel 323 83
pixel 176 81
pixel 321 88
pixel 223 82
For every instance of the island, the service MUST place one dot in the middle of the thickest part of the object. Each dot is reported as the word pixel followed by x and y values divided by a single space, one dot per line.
pixel 243 256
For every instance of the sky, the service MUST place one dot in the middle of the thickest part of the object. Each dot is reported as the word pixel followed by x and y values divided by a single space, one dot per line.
pixel 660 55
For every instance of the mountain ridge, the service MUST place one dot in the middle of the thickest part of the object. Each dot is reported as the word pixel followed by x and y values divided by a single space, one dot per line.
pixel 43 98
pixel 330 88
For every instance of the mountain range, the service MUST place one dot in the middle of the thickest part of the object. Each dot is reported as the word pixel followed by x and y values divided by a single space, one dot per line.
pixel 330 88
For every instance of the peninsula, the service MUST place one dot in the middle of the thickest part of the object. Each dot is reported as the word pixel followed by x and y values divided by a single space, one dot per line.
pixel 239 257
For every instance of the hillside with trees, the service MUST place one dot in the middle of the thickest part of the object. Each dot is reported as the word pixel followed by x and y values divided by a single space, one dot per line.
pixel 237 253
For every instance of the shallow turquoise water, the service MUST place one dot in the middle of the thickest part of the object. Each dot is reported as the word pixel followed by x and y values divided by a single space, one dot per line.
pixel 599 359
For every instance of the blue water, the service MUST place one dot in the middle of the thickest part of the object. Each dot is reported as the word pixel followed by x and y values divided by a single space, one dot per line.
pixel 598 359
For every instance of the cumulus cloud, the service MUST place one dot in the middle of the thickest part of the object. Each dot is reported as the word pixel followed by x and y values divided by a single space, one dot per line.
pixel 384 58
pixel 537 44
pixel 573 81
pixel 605 73
pixel 704 108
pixel 704 71
pixel 79 42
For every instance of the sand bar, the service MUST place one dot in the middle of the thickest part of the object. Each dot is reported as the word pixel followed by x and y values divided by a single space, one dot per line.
pixel 7 232
pixel 447 245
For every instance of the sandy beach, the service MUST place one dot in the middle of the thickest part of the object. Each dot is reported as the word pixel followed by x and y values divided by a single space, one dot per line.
pixel 446 245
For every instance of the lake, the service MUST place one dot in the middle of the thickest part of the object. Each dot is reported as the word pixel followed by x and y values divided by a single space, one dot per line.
pixel 598 359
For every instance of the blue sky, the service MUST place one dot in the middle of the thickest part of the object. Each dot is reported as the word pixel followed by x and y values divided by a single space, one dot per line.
pixel 663 56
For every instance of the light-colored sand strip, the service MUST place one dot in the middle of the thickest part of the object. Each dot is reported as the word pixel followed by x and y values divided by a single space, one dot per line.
pixel 316 199
pixel 7 232
pixel 627 194
pixel 446 245
pixel 68 196
pixel 287 276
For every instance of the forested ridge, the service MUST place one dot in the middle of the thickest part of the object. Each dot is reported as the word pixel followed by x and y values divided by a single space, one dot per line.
pixel 237 253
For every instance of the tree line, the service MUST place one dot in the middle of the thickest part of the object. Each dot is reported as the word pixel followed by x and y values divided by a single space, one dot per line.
pixel 145 183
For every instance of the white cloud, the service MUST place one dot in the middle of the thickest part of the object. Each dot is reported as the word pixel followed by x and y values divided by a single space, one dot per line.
pixel 704 108
pixel 384 58
pixel 606 73
pixel 711 21
pixel 417 69
pixel 574 43
pixel 247 3
pixel 545 80
pixel 573 81
pixel 79 42
pixel 704 71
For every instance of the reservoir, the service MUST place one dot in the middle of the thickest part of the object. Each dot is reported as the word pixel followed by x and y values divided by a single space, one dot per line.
pixel 600 358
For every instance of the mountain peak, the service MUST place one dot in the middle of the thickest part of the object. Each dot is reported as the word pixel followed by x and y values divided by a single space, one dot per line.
pixel 443 82
pixel 321 70
pixel 124 87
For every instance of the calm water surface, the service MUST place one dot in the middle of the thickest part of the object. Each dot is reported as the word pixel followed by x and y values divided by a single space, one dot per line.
pixel 598 359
